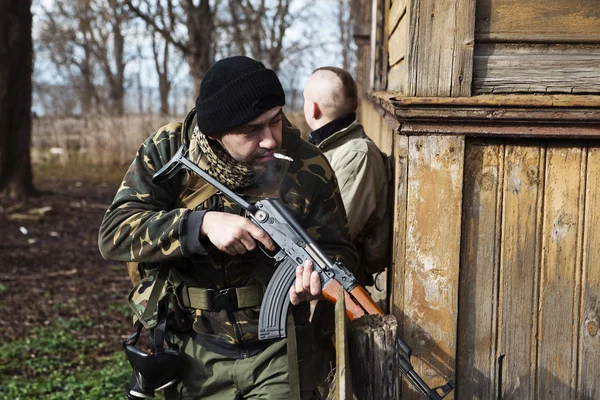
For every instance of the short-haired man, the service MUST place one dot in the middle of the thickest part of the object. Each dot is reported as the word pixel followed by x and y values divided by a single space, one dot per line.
pixel 210 247
pixel 330 103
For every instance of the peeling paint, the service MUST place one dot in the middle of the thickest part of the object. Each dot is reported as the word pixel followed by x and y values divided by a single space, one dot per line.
pixel 514 178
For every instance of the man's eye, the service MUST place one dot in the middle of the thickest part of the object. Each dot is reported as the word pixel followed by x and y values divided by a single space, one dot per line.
pixel 275 121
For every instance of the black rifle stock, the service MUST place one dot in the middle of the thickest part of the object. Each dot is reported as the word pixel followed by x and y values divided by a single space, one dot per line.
pixel 296 246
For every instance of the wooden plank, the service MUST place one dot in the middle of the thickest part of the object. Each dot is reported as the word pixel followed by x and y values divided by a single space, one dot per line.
pixel 435 177
pixel 397 78
pixel 517 306
pixel 398 255
pixel 374 357
pixel 397 11
pixel 385 42
pixel 398 43
pixel 386 141
pixel 464 42
pixel 379 44
pixel 440 47
pixel 541 68
pixel 529 20
pixel 343 381
pixel 373 65
pixel 589 337
pixel 429 61
pixel 533 101
pixel 560 273
pixel 480 258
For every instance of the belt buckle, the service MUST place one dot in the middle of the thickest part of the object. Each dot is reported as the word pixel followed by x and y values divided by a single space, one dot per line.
pixel 224 299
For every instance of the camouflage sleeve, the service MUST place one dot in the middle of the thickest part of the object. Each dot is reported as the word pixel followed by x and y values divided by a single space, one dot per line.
pixel 142 224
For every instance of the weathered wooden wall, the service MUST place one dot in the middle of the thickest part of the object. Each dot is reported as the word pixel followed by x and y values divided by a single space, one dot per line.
pixel 424 293
pixel 432 253
pixel 551 21
pixel 529 299
pixel 430 47
pixel 526 46
pixel 459 48
pixel 495 281
pixel 536 68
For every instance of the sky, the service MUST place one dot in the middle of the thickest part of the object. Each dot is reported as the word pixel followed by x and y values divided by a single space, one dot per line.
pixel 292 74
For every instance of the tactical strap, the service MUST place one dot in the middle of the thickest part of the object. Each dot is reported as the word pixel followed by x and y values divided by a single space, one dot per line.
pixel 159 283
pixel 292 351
pixel 195 190
pixel 230 298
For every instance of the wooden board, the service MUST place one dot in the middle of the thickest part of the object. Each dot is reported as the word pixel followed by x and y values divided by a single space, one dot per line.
pixel 435 176
pixel 521 243
pixel 399 250
pixel 589 335
pixel 397 77
pixel 479 275
pixel 398 43
pixel 551 21
pixel 560 273
pixel 440 47
pixel 541 68
pixel 397 12
pixel 343 375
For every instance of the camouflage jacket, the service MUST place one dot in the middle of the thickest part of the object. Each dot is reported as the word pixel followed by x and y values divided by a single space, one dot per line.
pixel 146 223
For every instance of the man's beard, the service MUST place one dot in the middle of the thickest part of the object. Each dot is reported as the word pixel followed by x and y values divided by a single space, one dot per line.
pixel 261 168
pixel 266 171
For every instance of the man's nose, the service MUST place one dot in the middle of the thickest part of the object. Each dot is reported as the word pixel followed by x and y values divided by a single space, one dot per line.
pixel 267 140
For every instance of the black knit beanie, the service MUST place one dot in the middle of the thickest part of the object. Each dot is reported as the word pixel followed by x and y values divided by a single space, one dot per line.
pixel 234 91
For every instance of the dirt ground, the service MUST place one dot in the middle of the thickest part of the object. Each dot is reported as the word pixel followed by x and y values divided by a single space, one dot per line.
pixel 51 268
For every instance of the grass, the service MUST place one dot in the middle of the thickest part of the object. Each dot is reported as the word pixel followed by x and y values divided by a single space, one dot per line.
pixel 58 362
pixel 79 167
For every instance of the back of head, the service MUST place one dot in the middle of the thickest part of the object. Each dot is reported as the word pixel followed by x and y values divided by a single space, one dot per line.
pixel 334 90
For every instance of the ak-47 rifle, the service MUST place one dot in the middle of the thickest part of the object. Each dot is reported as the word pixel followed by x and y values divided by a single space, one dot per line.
pixel 296 246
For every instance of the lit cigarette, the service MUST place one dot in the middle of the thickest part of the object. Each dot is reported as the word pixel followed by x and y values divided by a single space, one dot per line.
pixel 282 157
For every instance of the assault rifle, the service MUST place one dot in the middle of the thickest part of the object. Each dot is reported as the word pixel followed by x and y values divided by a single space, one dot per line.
pixel 296 246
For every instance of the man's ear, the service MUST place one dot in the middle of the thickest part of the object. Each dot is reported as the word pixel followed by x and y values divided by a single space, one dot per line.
pixel 316 111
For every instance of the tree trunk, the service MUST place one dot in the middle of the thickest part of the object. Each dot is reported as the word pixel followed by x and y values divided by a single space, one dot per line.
pixel 16 53
pixel 117 83
pixel 164 87
pixel 200 21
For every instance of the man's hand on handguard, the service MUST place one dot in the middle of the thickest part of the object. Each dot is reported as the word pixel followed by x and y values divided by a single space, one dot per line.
pixel 233 234
pixel 307 286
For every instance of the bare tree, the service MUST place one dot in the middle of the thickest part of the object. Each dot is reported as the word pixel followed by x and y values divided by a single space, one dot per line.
pixel 258 28
pixel 66 41
pixel 163 14
pixel 198 18
pixel 16 53
pixel 85 40
pixel 345 21
pixel 108 46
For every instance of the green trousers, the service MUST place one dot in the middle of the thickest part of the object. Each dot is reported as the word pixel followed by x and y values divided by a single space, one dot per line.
pixel 210 376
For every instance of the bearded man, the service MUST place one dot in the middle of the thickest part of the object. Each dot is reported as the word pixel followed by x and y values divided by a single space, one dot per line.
pixel 212 251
